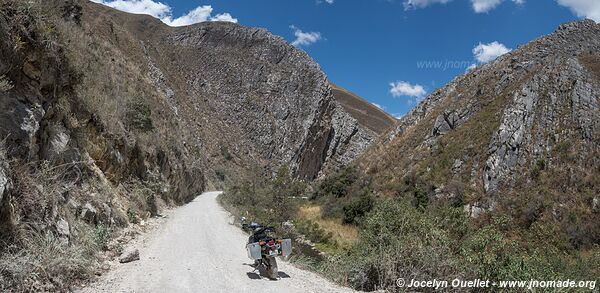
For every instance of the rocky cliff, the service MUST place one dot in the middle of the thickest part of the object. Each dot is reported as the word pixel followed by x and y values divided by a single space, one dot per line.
pixel 241 91
pixel 106 116
pixel 520 134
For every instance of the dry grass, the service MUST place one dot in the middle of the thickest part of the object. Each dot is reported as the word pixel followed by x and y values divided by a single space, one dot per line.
pixel 5 84
pixel 364 112
pixel 343 234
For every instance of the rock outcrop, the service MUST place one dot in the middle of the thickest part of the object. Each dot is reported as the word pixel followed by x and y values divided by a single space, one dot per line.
pixel 106 104
pixel 527 122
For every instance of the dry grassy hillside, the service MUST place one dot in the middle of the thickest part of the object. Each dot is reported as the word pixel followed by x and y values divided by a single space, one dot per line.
pixel 363 111
pixel 108 117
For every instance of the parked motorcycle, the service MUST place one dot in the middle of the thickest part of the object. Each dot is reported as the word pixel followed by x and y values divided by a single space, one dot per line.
pixel 263 248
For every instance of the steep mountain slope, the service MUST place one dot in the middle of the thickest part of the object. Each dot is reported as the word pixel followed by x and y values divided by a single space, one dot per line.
pixel 367 114
pixel 271 99
pixel 105 116
pixel 519 135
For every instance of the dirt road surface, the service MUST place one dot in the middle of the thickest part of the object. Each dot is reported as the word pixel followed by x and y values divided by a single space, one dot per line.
pixel 198 250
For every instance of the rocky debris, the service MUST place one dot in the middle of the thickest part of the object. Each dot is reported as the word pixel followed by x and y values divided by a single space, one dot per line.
pixel 457 166
pixel 475 210
pixel 88 213
pixel 513 132
pixel 63 228
pixel 596 203
pixel 347 139
pixel 287 225
pixel 530 104
pixel 268 94
pixel 129 255
pixel 73 205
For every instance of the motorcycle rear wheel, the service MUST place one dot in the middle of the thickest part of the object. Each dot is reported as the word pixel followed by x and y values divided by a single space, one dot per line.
pixel 272 270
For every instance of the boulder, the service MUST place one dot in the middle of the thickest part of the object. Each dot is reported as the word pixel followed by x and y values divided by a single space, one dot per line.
pixel 62 227
pixel 88 213
pixel 129 255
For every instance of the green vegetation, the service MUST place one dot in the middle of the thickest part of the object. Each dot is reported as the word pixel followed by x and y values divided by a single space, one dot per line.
pixel 139 114
pixel 411 234
pixel 102 236
pixel 399 239
pixel 226 154
pixel 271 201
pixel 5 84
pixel 132 216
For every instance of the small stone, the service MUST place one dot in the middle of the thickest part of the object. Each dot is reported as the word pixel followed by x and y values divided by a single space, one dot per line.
pixel 73 204
pixel 62 227
pixel 287 225
pixel 457 165
pixel 596 203
pixel 88 213
pixel 129 255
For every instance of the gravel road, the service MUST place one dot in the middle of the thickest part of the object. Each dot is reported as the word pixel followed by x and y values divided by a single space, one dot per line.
pixel 198 250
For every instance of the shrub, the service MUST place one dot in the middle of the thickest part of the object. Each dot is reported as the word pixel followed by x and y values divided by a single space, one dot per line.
pixel 338 184
pixel 220 174
pixel 539 166
pixel 267 201
pixel 132 216
pixel 139 114
pixel 225 153
pixel 5 84
pixel 42 262
pixel 102 236
pixel 357 208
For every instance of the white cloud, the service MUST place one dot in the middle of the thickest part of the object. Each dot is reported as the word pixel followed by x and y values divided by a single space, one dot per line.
pixel 304 38
pixel 403 88
pixel 481 6
pixel 165 12
pixel 324 1
pixel 224 17
pixel 583 8
pixel 398 116
pixel 412 4
pixel 484 5
pixel 484 53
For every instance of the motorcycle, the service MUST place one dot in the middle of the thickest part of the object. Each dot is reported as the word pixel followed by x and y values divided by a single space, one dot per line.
pixel 263 248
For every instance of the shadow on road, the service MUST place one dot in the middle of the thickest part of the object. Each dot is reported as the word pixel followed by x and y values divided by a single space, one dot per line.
pixel 283 275
pixel 253 276
pixel 259 273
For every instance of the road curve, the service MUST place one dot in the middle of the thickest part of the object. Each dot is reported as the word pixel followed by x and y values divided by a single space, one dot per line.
pixel 198 250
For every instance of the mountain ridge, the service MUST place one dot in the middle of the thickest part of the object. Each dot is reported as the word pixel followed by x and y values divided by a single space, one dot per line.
pixel 519 129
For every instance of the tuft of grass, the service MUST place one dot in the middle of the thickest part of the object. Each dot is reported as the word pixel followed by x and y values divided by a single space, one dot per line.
pixel 43 262
pixel 5 84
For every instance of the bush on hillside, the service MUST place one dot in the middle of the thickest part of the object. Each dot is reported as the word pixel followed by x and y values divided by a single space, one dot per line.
pixel 139 114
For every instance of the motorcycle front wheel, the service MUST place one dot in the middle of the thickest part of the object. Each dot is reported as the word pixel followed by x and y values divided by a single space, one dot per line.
pixel 272 270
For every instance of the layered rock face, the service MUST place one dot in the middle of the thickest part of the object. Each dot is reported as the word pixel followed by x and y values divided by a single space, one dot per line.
pixel 115 104
pixel 274 95
pixel 242 91
pixel 525 123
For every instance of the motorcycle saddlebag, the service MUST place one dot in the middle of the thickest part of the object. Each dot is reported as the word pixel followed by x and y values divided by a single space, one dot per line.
pixel 286 247
pixel 253 250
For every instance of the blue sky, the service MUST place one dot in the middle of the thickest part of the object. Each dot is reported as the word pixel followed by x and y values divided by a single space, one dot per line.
pixel 391 52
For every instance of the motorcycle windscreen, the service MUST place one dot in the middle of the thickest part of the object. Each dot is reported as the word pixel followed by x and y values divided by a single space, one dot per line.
pixel 253 250
pixel 286 247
